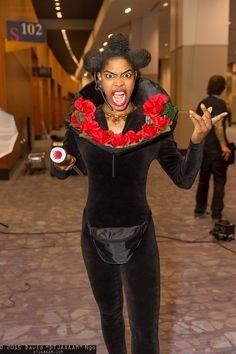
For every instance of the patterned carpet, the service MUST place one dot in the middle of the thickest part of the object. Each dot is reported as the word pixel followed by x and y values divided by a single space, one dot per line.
pixel 45 297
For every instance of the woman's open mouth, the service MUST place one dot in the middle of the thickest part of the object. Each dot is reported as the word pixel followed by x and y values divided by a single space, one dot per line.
pixel 119 98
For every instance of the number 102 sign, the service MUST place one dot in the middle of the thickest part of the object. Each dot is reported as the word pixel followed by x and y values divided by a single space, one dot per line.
pixel 23 31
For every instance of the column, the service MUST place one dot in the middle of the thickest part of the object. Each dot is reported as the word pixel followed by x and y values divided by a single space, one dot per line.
pixel 198 50
pixel 144 34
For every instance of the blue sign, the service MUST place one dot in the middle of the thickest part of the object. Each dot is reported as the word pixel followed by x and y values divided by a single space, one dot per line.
pixel 25 31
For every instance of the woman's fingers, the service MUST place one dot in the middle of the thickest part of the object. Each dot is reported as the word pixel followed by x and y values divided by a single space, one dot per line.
pixel 219 117
pixel 206 118
pixel 206 111
pixel 203 122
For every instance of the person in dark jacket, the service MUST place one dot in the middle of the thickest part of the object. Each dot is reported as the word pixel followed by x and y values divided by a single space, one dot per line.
pixel 216 154
pixel 117 142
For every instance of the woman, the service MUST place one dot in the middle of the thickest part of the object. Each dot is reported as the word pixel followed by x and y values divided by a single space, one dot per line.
pixel 117 142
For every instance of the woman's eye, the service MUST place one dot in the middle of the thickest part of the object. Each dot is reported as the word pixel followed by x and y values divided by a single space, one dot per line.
pixel 109 76
pixel 127 75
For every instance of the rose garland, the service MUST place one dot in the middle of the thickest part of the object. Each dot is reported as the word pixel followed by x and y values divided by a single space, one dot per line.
pixel 159 114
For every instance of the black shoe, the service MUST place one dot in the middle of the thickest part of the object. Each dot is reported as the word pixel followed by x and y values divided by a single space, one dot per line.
pixel 216 219
pixel 201 215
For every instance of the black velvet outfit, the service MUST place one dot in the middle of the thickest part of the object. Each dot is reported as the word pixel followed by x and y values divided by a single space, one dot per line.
pixel 117 197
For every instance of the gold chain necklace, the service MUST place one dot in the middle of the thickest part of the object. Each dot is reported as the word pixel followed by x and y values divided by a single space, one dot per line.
pixel 117 117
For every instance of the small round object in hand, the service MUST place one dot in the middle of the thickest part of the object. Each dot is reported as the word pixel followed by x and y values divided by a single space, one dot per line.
pixel 58 155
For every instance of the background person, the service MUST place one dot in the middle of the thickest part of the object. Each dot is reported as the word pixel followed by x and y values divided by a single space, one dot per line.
pixel 215 155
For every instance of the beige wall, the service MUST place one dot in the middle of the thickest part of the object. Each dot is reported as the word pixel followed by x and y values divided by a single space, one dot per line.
pixel 144 34
pixel 199 46
pixel 19 93
pixel 165 75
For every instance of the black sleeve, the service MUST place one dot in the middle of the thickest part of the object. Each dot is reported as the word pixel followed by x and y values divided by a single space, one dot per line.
pixel 71 147
pixel 181 169
pixel 219 108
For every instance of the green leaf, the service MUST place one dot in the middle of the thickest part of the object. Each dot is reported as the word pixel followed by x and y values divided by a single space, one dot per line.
pixel 148 120
pixel 79 116
pixel 78 94
pixel 170 110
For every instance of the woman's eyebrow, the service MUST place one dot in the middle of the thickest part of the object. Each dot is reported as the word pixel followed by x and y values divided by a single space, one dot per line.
pixel 110 72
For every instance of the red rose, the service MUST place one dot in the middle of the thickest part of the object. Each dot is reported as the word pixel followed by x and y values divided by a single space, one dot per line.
pixel 119 140
pixel 132 136
pixel 74 121
pixel 89 126
pixel 101 136
pixel 155 105
pixel 160 122
pixel 85 107
pixel 148 131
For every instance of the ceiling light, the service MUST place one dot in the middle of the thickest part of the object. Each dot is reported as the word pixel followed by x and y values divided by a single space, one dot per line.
pixel 105 43
pixel 58 8
pixel 59 15
pixel 109 35
pixel 166 44
pixel 67 43
pixel 86 74
pixel 101 49
pixel 165 4
pixel 57 3
pixel 128 10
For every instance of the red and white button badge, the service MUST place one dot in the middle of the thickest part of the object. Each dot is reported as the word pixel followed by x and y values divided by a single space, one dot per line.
pixel 58 155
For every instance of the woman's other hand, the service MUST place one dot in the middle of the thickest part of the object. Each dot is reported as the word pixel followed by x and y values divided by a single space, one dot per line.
pixel 203 124
pixel 67 165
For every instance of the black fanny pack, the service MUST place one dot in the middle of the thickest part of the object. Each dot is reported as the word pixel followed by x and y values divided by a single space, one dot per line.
pixel 116 245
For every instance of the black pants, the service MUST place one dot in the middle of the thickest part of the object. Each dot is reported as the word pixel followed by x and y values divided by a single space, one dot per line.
pixel 140 279
pixel 217 168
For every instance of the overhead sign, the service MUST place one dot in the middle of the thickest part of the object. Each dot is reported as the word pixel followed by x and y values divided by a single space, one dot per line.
pixel 42 71
pixel 23 31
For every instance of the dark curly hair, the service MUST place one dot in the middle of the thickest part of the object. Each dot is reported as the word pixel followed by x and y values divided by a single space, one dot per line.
pixel 118 46
pixel 216 85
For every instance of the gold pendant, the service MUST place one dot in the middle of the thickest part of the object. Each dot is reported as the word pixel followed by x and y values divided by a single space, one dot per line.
pixel 115 119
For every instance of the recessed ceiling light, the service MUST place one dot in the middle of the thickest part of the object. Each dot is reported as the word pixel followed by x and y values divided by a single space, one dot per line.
pixel 166 44
pixel 86 74
pixel 59 15
pixel 105 43
pixel 165 4
pixel 128 10
pixel 57 3
pixel 101 49
pixel 58 8
pixel 109 35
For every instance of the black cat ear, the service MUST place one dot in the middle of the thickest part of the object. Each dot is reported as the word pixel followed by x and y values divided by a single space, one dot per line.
pixel 140 58
pixel 93 61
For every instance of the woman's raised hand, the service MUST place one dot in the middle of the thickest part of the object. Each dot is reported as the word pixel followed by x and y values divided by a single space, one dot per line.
pixel 203 124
